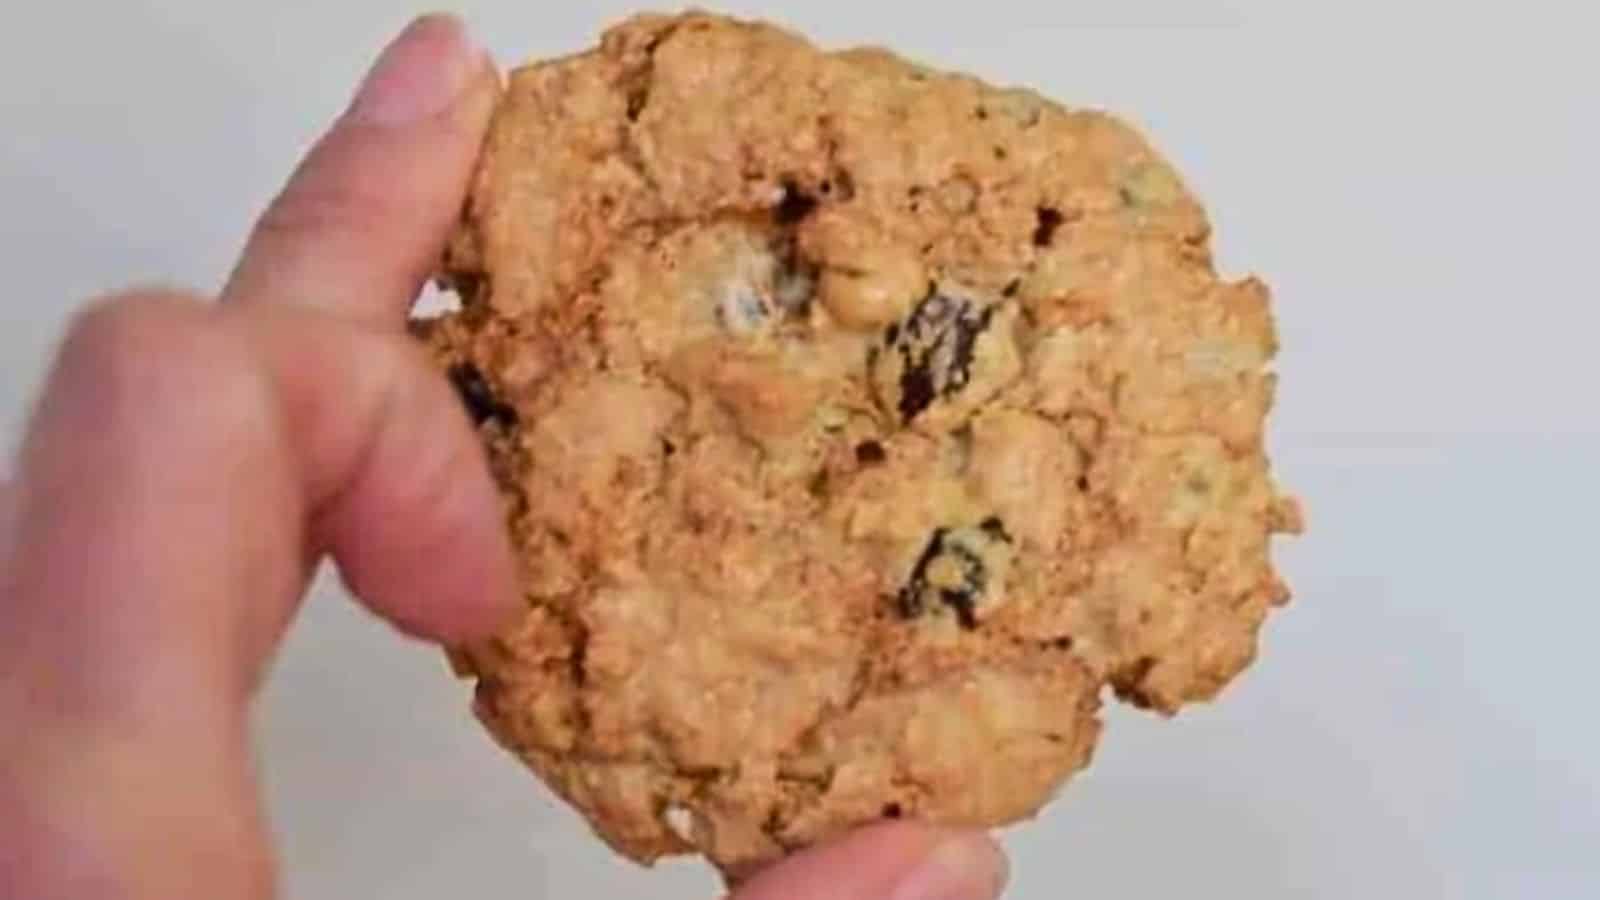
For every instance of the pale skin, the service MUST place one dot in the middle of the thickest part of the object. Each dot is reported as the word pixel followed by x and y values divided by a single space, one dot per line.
pixel 191 460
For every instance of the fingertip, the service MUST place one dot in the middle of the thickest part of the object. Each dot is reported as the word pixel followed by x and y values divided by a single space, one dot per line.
pixel 890 861
pixel 421 73
pixel 366 215
pixel 964 865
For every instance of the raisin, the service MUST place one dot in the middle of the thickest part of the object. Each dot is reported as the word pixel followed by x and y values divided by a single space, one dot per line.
pixel 794 205
pixel 1050 219
pixel 844 186
pixel 870 453
pixel 995 528
pixel 637 99
pixel 911 599
pixel 892 811
pixel 1129 683
pixel 935 347
pixel 479 399
pixel 965 558
pixel 576 663
pixel 917 391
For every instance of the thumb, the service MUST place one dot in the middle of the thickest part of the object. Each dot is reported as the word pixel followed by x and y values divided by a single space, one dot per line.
pixel 898 861
pixel 360 226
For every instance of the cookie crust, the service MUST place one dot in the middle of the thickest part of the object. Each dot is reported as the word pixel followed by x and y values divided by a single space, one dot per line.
pixel 858 424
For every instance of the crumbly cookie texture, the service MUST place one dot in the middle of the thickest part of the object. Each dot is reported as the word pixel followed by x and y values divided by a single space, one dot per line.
pixel 858 425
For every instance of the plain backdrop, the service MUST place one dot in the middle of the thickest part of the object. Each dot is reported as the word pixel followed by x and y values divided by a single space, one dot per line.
pixel 1415 181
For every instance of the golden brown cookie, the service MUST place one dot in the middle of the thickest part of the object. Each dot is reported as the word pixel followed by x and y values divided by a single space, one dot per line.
pixel 858 425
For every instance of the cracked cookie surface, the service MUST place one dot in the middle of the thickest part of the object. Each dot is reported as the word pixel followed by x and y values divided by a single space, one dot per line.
pixel 858 424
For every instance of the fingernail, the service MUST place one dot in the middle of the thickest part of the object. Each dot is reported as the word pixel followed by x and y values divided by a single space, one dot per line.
pixel 968 867
pixel 420 74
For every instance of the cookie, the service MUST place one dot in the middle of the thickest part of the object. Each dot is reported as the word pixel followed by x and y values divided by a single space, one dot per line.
pixel 858 424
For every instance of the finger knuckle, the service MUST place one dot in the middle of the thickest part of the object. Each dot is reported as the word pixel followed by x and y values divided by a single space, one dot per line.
pixel 157 357
pixel 127 335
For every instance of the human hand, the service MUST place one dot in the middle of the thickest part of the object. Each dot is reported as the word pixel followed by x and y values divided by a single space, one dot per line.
pixel 191 461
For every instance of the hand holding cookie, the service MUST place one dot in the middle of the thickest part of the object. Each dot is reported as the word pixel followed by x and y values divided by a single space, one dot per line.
pixel 189 463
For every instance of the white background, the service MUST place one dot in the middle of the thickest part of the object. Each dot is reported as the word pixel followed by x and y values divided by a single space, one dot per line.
pixel 1416 184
